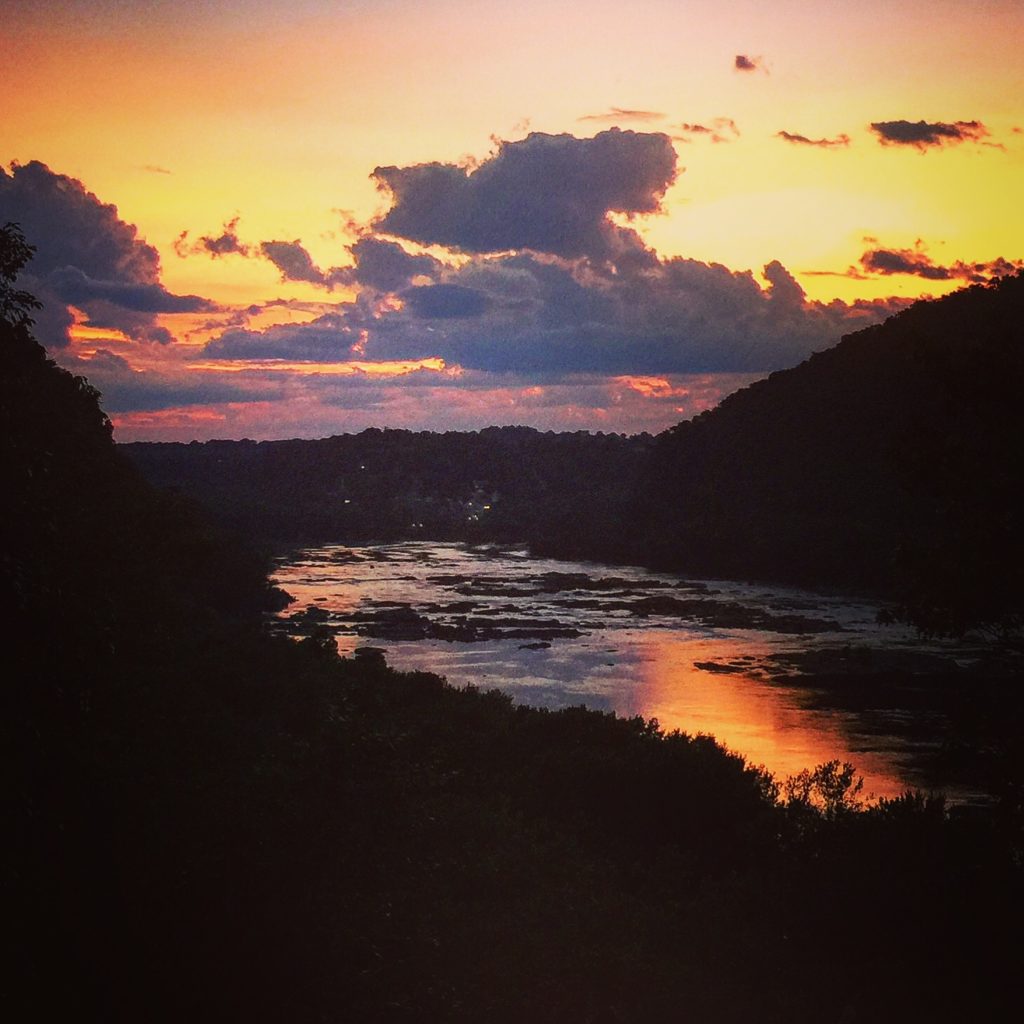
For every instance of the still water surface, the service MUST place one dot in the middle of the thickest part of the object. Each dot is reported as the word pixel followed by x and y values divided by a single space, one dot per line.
pixel 700 656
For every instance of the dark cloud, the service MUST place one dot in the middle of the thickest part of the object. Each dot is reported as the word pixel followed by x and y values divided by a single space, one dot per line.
pixel 920 264
pixel 86 256
pixel 903 261
pixel 76 288
pixel 838 142
pixel 386 266
pixel 924 134
pixel 548 193
pixel 721 129
pixel 445 301
pixel 330 338
pixel 295 264
pixel 741 62
pixel 530 314
pixel 154 169
pixel 124 389
pixel 378 262
pixel 618 114
pixel 224 244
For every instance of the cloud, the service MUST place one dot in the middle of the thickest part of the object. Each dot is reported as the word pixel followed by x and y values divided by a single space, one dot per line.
pixel 377 262
pixel 721 129
pixel 548 193
pixel 295 264
pixel 124 389
pixel 86 257
pixel 78 289
pixel 741 62
pixel 332 337
pixel 445 301
pixel 923 134
pixel 838 142
pixel 618 114
pixel 531 314
pixel 224 244
pixel 154 169
pixel 386 266
pixel 920 264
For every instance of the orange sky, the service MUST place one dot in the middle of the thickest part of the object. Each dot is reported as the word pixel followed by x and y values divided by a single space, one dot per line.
pixel 186 115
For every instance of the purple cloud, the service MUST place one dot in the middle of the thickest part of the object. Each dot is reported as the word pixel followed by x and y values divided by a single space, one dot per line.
pixel 618 114
pixel 721 129
pixel 86 257
pixel 923 135
pixel 920 264
pixel 295 264
pixel 741 62
pixel 840 141
pixel 548 193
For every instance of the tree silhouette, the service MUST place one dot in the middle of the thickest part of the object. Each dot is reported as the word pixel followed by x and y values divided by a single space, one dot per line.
pixel 15 252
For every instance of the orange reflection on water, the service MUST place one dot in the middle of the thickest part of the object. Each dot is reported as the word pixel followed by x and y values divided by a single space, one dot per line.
pixel 764 722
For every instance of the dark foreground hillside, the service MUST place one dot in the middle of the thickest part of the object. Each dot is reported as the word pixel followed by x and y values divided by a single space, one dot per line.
pixel 206 824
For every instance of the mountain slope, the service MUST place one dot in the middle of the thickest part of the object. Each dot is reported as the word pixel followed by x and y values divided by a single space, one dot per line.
pixel 892 461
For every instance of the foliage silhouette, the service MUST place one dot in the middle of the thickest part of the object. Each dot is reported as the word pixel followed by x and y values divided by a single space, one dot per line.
pixel 16 306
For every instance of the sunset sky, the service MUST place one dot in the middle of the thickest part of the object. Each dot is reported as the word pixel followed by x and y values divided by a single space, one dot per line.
pixel 268 219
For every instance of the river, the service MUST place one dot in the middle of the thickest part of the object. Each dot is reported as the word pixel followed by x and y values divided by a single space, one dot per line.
pixel 714 656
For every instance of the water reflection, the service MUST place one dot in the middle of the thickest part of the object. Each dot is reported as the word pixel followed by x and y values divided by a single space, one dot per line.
pixel 769 724
pixel 554 634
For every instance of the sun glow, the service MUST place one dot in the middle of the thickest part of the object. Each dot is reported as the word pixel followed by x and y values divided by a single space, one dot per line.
pixel 386 368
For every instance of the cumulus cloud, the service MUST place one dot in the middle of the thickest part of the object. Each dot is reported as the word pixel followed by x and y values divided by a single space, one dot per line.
pixel 840 141
pixel 531 314
pixel 742 62
pixel 923 135
pixel 549 193
pixel 86 257
pixel 721 129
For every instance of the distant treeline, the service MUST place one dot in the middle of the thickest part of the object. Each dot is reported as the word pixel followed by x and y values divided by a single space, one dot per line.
pixel 568 491
pixel 891 463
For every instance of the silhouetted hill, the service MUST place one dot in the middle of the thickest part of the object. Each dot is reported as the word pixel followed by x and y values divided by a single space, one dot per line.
pixel 892 461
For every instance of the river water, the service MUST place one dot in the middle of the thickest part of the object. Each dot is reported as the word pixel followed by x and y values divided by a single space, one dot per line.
pixel 712 656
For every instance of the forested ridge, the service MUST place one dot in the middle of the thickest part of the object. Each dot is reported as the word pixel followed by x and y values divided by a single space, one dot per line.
pixel 207 823
pixel 505 484
pixel 891 462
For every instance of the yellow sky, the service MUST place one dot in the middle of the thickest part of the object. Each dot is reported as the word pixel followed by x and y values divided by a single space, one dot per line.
pixel 281 120
pixel 187 114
